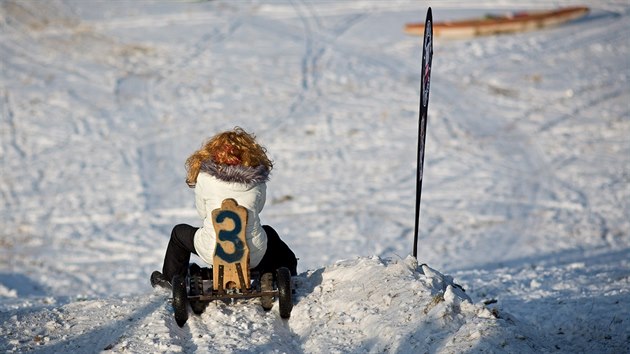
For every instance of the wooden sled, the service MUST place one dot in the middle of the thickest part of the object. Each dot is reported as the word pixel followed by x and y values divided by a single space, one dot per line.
pixel 492 25
pixel 230 277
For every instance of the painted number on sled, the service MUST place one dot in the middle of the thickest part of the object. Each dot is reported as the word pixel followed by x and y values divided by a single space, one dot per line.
pixel 231 251
pixel 230 236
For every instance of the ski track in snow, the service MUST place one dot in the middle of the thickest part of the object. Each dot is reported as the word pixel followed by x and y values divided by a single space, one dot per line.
pixel 525 198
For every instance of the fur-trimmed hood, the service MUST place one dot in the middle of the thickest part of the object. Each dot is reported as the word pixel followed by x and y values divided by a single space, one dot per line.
pixel 236 173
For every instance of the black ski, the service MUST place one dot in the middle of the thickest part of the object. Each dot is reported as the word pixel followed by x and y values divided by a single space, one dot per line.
pixel 427 58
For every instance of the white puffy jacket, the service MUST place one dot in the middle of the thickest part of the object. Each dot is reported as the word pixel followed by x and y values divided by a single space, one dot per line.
pixel 244 184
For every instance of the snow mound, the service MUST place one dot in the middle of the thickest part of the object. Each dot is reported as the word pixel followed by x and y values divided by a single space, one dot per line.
pixel 360 305
pixel 376 305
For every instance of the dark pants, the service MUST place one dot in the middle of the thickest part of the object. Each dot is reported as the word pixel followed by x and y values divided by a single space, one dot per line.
pixel 278 254
pixel 181 245
pixel 178 251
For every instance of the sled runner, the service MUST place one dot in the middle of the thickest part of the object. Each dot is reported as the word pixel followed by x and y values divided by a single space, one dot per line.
pixel 500 24
pixel 230 277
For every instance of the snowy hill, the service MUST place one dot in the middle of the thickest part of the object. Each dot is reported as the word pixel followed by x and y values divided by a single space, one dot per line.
pixel 353 306
pixel 525 204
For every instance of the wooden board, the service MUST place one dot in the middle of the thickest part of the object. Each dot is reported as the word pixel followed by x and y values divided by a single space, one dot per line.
pixel 491 25
pixel 231 251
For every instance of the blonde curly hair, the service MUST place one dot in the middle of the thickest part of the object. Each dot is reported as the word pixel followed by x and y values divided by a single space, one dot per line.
pixel 232 147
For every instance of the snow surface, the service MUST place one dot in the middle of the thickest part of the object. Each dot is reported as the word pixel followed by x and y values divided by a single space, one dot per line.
pixel 526 198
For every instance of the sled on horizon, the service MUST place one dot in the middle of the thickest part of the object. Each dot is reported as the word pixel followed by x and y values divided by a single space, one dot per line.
pixel 230 277
pixel 516 22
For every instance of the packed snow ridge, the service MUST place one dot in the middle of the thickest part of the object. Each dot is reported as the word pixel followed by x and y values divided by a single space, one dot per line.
pixel 360 305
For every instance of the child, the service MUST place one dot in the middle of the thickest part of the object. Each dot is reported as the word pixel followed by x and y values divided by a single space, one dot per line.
pixel 230 165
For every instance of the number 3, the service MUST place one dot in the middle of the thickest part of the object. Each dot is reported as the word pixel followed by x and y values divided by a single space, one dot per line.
pixel 229 236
